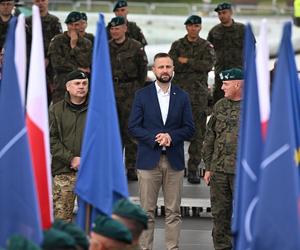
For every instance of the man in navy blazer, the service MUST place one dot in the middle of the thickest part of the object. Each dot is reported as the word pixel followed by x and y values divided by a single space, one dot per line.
pixel 161 120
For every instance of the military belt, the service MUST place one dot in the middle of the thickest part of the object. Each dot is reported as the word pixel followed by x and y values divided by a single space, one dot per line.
pixel 118 80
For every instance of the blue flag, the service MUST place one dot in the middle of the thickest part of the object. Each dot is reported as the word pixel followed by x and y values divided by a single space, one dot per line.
pixel 249 151
pixel 276 221
pixel 101 178
pixel 19 212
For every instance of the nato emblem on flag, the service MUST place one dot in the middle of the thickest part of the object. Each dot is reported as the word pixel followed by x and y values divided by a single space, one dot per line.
pixel 101 178
pixel 19 212
pixel 249 151
pixel 276 222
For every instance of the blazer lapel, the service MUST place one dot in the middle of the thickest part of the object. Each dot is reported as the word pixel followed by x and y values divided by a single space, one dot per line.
pixel 172 102
pixel 156 103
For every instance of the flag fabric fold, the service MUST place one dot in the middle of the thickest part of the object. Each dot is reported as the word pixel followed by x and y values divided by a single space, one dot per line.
pixel 101 179
pixel 249 151
pixel 19 207
pixel 276 220
pixel 37 121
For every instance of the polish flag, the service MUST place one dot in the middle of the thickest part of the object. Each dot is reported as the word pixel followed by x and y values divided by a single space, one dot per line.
pixel 263 77
pixel 37 121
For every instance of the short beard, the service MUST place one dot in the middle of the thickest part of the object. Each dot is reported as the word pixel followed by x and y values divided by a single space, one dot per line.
pixel 163 79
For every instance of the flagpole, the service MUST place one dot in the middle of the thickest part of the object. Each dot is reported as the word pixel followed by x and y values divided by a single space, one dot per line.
pixel 87 227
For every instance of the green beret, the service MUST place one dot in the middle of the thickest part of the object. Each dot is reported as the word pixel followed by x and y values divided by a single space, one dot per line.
pixel 193 19
pixel 127 209
pixel 54 238
pixel 223 6
pixel 18 242
pixel 116 21
pixel 73 17
pixel 2 1
pixel 76 232
pixel 111 228
pixel 120 4
pixel 84 16
pixel 76 74
pixel 231 74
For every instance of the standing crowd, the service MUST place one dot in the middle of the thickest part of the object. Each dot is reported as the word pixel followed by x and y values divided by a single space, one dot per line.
pixel 155 119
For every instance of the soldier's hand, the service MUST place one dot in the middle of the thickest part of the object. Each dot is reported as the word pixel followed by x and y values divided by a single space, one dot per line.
pixel 75 162
pixel 74 38
pixel 183 59
pixel 207 177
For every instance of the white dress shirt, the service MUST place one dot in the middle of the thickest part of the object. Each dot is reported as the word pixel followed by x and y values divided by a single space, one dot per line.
pixel 164 100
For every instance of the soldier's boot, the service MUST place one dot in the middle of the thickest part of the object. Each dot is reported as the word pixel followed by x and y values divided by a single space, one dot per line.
pixel 193 177
pixel 131 174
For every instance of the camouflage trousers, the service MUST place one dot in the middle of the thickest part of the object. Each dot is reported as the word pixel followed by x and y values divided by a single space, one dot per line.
pixel 64 196
pixel 221 196
pixel 124 97
pixel 218 93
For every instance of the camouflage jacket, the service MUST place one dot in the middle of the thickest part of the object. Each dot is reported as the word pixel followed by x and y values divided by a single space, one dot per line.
pixel 90 36
pixel 51 27
pixel 3 31
pixel 66 133
pixel 220 144
pixel 133 31
pixel 64 59
pixel 128 61
pixel 192 76
pixel 228 43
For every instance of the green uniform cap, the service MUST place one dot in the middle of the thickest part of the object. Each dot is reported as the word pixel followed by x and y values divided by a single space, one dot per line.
pixel 193 19
pixel 73 17
pixel 76 74
pixel 231 74
pixel 2 1
pixel 127 209
pixel 54 238
pixel 223 6
pixel 84 16
pixel 18 242
pixel 120 4
pixel 111 228
pixel 75 231
pixel 116 21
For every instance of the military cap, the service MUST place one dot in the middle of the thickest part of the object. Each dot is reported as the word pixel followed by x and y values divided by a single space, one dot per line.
pixel 111 228
pixel 18 242
pixel 76 74
pixel 193 19
pixel 231 74
pixel 1 1
pixel 76 232
pixel 116 21
pixel 127 209
pixel 73 17
pixel 120 4
pixel 223 6
pixel 84 16
pixel 54 238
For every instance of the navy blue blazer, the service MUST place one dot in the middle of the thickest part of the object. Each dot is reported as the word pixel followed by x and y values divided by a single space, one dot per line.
pixel 145 122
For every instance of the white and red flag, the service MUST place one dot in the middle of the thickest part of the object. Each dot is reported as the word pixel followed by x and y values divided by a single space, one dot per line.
pixel 37 121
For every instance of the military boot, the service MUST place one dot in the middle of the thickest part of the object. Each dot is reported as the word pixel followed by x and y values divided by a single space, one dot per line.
pixel 193 177
pixel 131 175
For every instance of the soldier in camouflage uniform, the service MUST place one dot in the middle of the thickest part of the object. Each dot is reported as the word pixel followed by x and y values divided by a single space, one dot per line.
pixel 67 52
pixel 83 28
pixel 67 120
pixel 219 155
pixel 193 58
pixel 129 70
pixel 133 31
pixel 51 27
pixel 6 7
pixel 227 38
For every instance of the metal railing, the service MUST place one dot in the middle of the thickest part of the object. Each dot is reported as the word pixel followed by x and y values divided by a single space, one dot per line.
pixel 203 9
